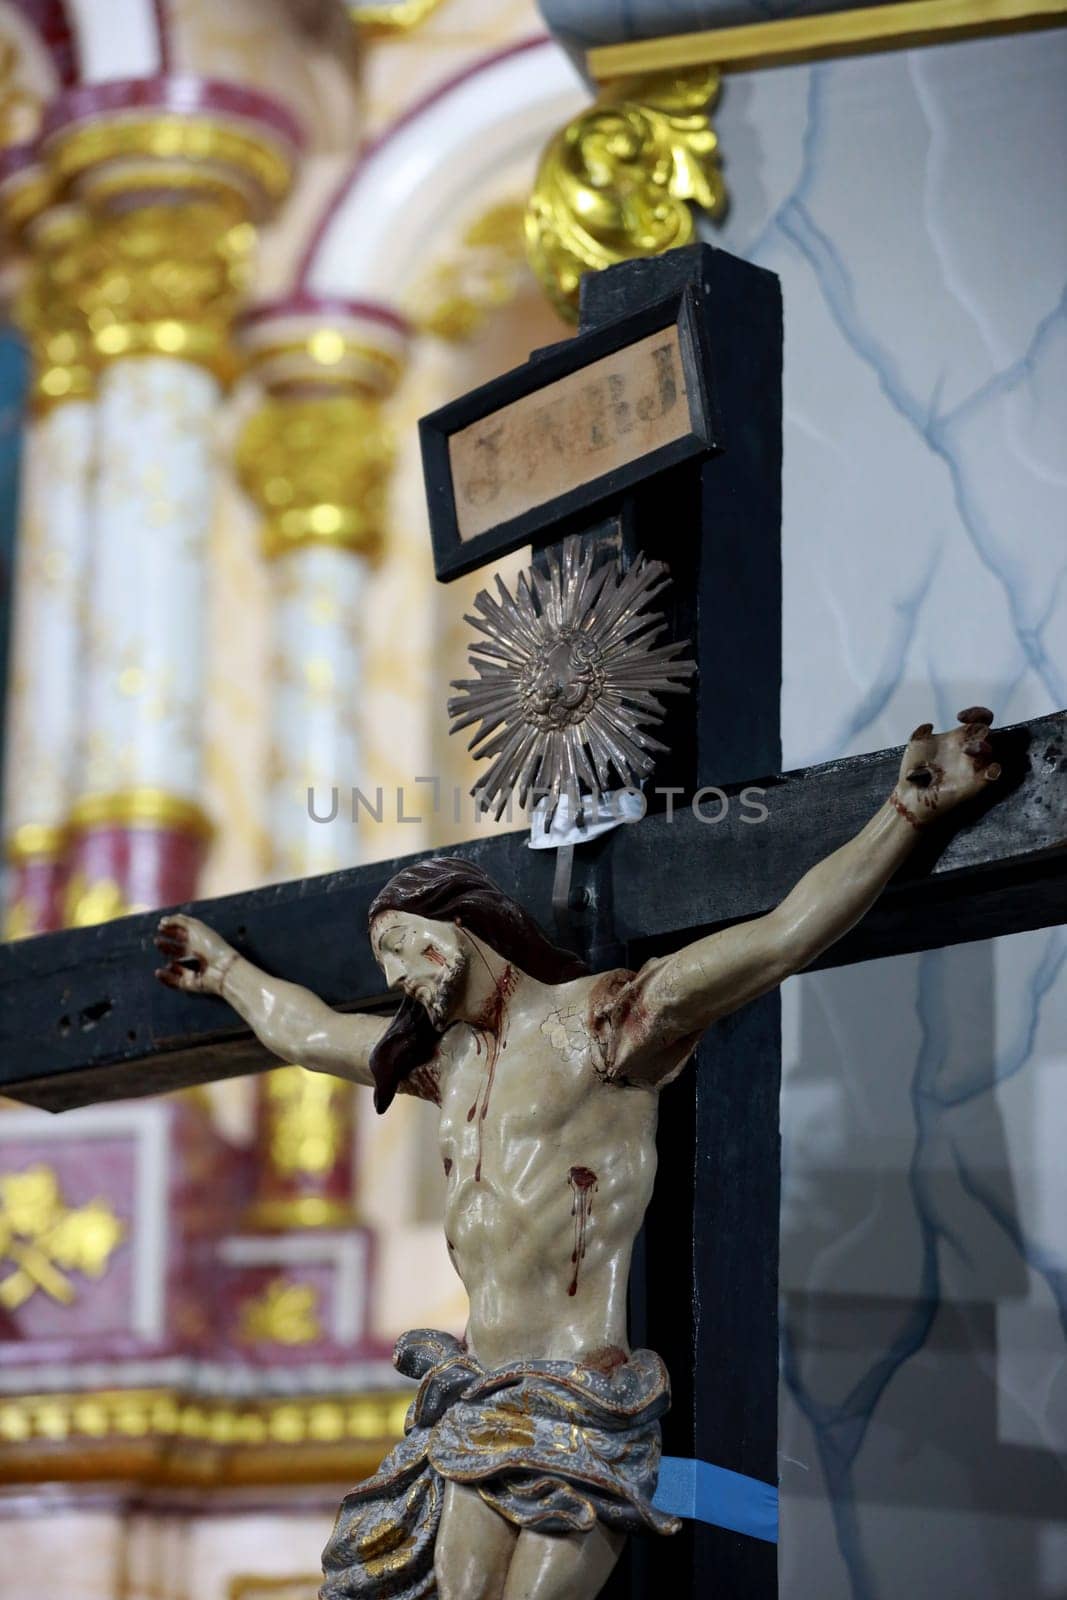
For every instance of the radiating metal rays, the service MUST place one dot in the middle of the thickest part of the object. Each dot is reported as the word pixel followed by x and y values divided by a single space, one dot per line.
pixel 568 679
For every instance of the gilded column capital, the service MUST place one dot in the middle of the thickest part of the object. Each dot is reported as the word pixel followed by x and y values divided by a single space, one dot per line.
pixel 140 136
pixel 167 279
pixel 318 466
pixel 317 454
pixel 26 188
pixel 173 175
pixel 49 307
pixel 619 180
pixel 315 345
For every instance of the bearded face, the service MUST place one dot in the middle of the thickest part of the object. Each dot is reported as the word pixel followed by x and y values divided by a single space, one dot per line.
pixel 426 960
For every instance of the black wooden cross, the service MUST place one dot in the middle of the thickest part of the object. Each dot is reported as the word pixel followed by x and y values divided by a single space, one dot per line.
pixel 82 1020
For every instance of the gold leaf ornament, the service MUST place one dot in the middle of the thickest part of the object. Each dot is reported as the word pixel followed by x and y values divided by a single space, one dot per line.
pixel 44 1238
pixel 318 466
pixel 285 1313
pixel 459 293
pixel 306 1120
pixel 617 182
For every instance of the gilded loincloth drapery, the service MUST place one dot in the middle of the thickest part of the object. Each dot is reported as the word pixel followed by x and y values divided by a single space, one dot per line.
pixel 548 1444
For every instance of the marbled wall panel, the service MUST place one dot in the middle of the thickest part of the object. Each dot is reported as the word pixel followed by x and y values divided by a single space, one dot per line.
pixel 586 23
pixel 914 208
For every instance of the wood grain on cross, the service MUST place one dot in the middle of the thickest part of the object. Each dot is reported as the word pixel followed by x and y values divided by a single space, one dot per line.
pixel 81 1021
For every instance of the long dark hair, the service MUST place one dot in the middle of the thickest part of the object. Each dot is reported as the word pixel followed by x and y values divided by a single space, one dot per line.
pixel 449 889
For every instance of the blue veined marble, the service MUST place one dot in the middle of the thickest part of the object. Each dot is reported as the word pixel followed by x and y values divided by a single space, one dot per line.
pixel 875 1296
pixel 914 208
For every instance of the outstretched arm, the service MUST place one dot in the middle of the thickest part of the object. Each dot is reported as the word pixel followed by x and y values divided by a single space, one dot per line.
pixel 676 997
pixel 292 1022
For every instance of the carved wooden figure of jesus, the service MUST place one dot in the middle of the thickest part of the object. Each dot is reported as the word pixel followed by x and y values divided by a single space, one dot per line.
pixel 532 1448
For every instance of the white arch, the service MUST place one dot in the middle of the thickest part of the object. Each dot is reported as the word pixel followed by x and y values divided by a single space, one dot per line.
pixel 370 241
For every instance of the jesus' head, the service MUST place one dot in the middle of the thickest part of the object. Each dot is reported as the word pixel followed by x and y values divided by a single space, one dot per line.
pixel 421 925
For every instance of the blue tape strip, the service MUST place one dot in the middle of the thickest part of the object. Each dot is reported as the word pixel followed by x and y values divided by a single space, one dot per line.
pixel 701 1492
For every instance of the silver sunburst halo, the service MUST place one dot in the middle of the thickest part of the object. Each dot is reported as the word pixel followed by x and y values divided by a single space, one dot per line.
pixel 568 678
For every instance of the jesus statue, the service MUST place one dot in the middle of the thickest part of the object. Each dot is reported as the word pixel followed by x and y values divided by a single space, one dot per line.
pixel 532 1446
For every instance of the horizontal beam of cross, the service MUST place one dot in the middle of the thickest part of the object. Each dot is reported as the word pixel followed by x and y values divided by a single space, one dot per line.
pixel 82 1019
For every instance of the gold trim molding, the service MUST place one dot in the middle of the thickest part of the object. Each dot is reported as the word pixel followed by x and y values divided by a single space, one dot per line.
pixel 221 154
pixel 140 808
pixel 249 1586
pixel 166 1436
pixel 35 841
pixel 852 32
pixel 300 1211
pixel 326 359
pixel 386 21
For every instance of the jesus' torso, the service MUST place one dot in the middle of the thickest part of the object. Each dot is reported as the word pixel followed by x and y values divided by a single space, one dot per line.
pixel 549 1165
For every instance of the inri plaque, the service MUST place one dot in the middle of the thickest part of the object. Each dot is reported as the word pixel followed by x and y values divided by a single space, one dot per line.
pixel 546 446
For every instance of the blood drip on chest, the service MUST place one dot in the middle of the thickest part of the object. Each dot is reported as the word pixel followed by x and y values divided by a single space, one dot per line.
pixel 492 1027
pixel 583 1184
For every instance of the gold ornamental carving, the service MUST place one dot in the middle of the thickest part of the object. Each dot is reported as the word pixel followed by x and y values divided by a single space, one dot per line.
pixel 20 108
pixel 176 1437
pixel 89 902
pixel 285 1313
pixel 306 1122
pixel 135 152
pixel 619 181
pixel 43 1239
pixel 460 292
pixel 325 359
pixel 141 808
pixel 318 466
pixel 378 19
pixel 168 281
pixel 49 307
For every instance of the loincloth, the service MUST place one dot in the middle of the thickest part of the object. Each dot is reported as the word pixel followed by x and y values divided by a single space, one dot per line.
pixel 549 1444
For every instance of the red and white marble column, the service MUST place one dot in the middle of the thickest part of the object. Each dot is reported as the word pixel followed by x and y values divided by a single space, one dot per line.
pixel 316 457
pixel 173 174
pixel 53 544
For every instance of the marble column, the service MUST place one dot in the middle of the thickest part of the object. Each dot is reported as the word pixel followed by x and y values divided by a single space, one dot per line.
pixel 174 175
pixel 52 550
pixel 316 457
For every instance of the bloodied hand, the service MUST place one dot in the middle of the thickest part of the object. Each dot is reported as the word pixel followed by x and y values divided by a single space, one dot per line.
pixel 197 957
pixel 941 770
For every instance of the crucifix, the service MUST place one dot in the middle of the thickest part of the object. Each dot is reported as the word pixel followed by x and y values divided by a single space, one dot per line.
pixel 684 930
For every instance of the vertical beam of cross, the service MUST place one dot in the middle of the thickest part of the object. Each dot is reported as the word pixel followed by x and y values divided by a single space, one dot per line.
pixel 705 1283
